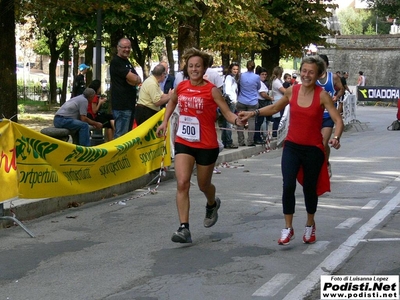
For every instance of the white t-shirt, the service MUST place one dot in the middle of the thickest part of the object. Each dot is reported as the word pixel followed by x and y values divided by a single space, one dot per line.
pixel 262 89
pixel 231 88
pixel 178 78
pixel 213 76
pixel 276 93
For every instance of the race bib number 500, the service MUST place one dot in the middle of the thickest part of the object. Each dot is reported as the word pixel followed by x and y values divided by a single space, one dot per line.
pixel 189 129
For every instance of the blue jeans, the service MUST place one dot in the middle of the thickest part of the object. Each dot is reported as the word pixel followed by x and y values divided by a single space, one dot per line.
pixel 275 124
pixel 75 125
pixel 122 122
pixel 259 122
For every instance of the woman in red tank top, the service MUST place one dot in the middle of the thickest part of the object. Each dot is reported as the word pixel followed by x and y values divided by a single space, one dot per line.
pixel 196 138
pixel 303 155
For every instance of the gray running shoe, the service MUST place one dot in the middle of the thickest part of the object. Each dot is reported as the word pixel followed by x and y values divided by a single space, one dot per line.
pixel 182 235
pixel 212 214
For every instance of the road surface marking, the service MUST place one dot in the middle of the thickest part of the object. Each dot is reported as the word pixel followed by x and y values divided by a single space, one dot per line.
pixel 382 240
pixel 348 223
pixel 318 247
pixel 336 257
pixel 272 287
pixel 388 190
pixel 371 204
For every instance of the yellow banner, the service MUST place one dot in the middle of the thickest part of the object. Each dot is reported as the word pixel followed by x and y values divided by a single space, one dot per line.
pixel 33 165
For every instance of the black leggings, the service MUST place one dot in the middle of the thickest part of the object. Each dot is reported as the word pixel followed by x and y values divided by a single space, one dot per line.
pixel 311 158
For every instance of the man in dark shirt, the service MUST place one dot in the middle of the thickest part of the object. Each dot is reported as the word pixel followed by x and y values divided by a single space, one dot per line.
pixel 124 82
pixel 168 83
pixel 343 79
pixel 79 84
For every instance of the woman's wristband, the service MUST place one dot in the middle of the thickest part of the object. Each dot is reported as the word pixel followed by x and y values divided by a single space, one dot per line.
pixel 236 122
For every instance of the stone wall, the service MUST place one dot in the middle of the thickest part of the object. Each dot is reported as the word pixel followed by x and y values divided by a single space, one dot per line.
pixel 378 56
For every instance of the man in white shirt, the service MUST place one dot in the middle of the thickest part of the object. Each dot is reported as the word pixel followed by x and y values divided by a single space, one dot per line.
pixel 212 75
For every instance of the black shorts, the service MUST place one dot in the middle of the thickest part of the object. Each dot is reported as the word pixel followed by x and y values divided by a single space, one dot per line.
pixel 202 157
pixel 104 119
pixel 327 122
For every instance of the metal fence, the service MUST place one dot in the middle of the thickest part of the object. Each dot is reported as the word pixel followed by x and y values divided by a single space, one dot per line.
pixel 36 93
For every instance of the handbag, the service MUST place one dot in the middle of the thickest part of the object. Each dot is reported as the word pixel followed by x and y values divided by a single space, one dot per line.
pixel 228 99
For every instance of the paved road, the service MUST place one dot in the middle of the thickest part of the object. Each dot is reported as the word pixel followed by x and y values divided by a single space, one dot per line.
pixel 104 251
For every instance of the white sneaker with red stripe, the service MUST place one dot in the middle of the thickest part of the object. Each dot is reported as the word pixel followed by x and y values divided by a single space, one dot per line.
pixel 287 234
pixel 309 235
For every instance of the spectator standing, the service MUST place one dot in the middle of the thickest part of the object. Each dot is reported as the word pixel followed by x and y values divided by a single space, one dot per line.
pixel 263 100
pixel 79 84
pixel 151 97
pixel 294 79
pixel 287 80
pixel 249 84
pixel 361 79
pixel 213 76
pixel 230 89
pixel 124 82
pixel 343 80
pixel 196 141
pixel 73 116
pixel 168 83
pixel 304 151
pixel 277 93
pixel 331 83
pixel 43 84
pixel 398 110
pixel 95 113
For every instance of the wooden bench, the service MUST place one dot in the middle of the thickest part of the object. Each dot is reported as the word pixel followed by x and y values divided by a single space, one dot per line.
pixel 63 134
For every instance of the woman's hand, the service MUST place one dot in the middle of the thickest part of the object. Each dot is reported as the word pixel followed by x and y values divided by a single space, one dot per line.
pixel 334 143
pixel 162 130
pixel 245 115
pixel 102 100
pixel 98 125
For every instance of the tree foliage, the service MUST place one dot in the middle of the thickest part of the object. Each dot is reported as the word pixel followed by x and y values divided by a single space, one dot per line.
pixel 297 23
pixel 385 8
pixel 351 21
pixel 275 28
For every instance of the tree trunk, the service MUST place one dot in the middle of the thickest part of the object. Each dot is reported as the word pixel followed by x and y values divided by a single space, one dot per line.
pixel 115 36
pixel 8 77
pixel 170 54
pixel 90 44
pixel 141 56
pixel 270 57
pixel 76 61
pixel 188 35
pixel 54 55
pixel 65 76
pixel 225 57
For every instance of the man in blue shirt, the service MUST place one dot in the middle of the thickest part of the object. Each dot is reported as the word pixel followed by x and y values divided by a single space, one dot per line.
pixel 249 84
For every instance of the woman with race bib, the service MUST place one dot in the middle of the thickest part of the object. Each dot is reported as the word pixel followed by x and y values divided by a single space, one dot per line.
pixel 196 138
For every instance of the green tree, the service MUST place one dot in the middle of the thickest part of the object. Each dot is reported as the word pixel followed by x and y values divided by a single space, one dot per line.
pixel 384 8
pixel 297 23
pixel 233 28
pixel 351 21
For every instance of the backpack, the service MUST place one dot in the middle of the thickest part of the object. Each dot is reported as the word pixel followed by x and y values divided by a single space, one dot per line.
pixel 394 126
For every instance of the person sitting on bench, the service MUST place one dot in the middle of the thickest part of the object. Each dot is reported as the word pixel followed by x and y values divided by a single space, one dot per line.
pixel 73 116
